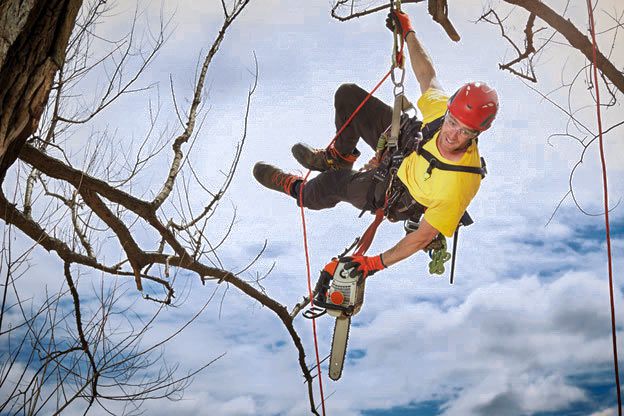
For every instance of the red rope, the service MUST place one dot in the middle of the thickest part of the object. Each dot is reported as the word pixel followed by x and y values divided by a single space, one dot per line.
pixel 305 236
pixel 359 107
pixel 311 296
pixel 606 204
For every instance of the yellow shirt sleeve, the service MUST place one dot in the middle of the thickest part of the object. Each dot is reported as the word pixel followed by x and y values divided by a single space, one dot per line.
pixel 432 104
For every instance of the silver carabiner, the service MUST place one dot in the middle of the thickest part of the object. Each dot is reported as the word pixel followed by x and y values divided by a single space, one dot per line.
pixel 399 83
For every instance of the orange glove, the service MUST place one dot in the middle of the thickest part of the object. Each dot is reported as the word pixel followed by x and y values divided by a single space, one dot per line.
pixel 363 266
pixel 401 21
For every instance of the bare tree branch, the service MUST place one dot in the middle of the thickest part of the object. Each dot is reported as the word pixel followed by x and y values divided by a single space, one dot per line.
pixel 83 341
pixel 575 37
pixel 529 50
pixel 192 115
pixel 339 4
pixel 438 9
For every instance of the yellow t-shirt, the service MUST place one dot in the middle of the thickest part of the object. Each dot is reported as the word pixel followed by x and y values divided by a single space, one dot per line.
pixel 446 194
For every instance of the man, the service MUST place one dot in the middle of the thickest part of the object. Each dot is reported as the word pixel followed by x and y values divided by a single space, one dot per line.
pixel 443 195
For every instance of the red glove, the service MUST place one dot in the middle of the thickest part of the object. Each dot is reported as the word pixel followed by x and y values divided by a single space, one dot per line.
pixel 363 266
pixel 401 21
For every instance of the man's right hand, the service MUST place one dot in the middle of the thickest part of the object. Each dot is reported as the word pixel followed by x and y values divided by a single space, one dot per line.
pixel 401 21
pixel 363 266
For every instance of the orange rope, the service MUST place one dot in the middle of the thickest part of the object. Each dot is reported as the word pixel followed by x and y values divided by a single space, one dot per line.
pixel 305 236
pixel 311 296
pixel 606 205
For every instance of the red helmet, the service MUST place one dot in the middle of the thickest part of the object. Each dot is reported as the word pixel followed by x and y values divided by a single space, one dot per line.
pixel 475 104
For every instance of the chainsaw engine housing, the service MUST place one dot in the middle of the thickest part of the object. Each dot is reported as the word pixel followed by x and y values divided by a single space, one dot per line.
pixel 345 295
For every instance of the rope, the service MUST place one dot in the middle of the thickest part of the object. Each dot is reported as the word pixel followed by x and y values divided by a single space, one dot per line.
pixel 606 204
pixel 305 237
pixel 439 256
pixel 369 234
pixel 311 295
pixel 352 116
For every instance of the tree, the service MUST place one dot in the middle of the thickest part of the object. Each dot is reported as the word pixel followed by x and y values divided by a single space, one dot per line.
pixel 76 211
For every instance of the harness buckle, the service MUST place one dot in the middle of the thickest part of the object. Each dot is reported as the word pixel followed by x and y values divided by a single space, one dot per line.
pixel 410 226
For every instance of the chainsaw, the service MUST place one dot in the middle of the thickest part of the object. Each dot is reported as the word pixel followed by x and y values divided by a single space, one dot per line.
pixel 341 296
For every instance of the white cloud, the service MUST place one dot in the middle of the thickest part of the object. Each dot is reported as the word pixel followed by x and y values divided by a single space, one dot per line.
pixel 515 395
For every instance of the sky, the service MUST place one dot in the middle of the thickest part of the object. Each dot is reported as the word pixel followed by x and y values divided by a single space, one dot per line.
pixel 525 329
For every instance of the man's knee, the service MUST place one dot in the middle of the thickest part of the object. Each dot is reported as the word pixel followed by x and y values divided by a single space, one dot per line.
pixel 313 198
pixel 317 202
pixel 346 94
pixel 326 190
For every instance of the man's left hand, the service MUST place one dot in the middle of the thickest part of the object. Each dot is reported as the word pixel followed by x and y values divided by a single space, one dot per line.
pixel 400 21
pixel 363 266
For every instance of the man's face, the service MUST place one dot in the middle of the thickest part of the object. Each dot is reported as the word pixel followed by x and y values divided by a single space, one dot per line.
pixel 455 136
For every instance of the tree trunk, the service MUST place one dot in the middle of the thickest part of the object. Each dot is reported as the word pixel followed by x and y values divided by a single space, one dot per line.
pixel 33 38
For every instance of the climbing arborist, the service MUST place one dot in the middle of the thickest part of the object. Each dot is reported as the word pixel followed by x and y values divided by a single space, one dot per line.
pixel 423 183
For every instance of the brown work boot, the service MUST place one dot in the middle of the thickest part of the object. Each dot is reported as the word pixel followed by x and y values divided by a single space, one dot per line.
pixel 274 178
pixel 322 159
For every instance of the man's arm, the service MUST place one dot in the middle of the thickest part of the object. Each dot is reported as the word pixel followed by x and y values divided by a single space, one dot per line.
pixel 422 65
pixel 421 61
pixel 410 244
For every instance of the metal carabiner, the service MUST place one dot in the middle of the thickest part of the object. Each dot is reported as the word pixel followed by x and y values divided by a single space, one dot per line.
pixel 396 39
pixel 398 86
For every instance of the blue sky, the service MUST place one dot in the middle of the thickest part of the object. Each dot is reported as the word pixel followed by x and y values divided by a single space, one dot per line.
pixel 525 329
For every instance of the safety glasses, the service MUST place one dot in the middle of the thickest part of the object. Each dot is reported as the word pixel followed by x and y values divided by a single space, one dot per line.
pixel 454 125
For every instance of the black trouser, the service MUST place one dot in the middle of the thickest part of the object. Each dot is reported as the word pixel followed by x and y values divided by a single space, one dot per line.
pixel 334 186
